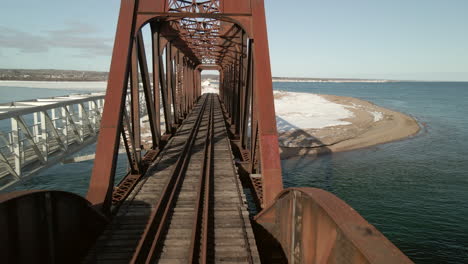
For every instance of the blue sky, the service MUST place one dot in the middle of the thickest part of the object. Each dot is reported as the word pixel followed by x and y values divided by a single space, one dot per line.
pixel 397 39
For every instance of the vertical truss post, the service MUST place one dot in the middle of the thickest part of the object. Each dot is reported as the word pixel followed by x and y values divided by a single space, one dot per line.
pixel 193 91
pixel 156 78
pixel 135 102
pixel 165 94
pixel 238 95
pixel 173 69
pixel 155 134
pixel 229 90
pixel 158 70
pixel 102 180
pixel 178 83
pixel 270 161
pixel 221 83
pixel 233 92
pixel 248 96
pixel 170 90
pixel 186 85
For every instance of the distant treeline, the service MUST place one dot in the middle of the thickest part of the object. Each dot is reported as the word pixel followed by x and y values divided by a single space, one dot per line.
pixel 61 75
pixel 51 75
pixel 72 75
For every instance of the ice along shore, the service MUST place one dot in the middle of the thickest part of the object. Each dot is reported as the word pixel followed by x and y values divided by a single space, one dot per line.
pixel 313 124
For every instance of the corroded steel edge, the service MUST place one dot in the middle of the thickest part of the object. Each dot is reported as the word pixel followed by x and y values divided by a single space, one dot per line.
pixel 314 225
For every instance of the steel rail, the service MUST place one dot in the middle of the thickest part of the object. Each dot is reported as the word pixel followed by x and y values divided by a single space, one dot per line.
pixel 208 187
pixel 199 242
pixel 151 238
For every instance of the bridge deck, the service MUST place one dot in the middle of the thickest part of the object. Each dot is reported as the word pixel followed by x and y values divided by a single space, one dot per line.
pixel 229 237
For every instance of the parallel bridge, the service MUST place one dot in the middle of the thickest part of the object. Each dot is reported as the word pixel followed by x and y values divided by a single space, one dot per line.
pixel 208 189
pixel 36 134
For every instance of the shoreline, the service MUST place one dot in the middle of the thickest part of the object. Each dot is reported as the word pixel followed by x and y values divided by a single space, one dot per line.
pixel 338 123
pixel 369 125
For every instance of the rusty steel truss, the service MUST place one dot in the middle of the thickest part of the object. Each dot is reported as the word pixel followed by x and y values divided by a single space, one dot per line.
pixel 188 37
pixel 303 225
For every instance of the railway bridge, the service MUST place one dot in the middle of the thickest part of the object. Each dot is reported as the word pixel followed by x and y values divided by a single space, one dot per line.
pixel 209 189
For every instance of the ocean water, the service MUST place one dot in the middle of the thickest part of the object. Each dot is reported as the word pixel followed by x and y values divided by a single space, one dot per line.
pixel 415 191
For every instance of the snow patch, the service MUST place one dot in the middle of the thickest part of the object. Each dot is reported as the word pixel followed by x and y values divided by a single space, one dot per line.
pixel 209 87
pixel 377 116
pixel 305 110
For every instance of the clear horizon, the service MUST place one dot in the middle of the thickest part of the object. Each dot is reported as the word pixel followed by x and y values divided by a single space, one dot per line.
pixel 394 40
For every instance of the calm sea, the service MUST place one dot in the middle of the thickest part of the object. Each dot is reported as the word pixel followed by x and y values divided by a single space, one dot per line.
pixel 415 191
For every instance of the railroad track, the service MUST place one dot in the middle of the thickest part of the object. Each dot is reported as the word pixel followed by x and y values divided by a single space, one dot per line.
pixel 198 214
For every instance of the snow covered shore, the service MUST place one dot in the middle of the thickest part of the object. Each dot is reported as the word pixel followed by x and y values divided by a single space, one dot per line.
pixel 314 124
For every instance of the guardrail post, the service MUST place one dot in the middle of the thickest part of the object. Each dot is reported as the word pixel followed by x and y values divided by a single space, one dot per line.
pixel 15 140
pixel 81 120
pixel 54 117
pixel 65 125
pixel 43 136
pixel 36 127
pixel 92 113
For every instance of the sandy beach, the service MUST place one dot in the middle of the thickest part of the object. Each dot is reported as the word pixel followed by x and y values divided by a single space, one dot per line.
pixel 353 124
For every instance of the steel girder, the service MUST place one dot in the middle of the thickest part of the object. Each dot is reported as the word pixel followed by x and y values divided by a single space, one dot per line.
pixel 191 36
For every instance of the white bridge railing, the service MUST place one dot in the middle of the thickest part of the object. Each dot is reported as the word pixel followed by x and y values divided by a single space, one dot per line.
pixel 39 133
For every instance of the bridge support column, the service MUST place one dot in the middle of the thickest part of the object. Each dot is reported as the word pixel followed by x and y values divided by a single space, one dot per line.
pixel 268 136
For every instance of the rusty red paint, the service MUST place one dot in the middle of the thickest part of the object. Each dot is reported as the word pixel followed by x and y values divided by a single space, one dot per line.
pixel 102 180
pixel 315 226
pixel 231 36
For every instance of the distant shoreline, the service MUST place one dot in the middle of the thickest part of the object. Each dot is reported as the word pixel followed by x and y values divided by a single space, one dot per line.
pixel 276 79
pixel 51 75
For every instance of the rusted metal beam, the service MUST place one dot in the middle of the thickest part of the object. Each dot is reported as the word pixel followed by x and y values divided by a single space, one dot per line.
pixel 159 67
pixel 265 109
pixel 135 103
pixel 155 132
pixel 314 226
pixel 102 179
pixel 247 95
pixel 155 52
